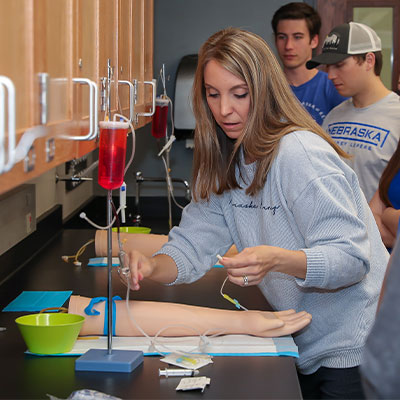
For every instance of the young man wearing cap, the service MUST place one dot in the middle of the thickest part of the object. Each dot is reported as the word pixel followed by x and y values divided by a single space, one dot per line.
pixel 367 126
pixel 296 28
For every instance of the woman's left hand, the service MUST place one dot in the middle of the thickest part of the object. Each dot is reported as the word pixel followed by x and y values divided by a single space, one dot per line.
pixel 251 265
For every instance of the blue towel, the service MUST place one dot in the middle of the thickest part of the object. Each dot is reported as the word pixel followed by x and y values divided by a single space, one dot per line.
pixel 37 301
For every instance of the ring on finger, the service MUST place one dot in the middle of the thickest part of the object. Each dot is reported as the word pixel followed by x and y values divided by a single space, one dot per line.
pixel 245 280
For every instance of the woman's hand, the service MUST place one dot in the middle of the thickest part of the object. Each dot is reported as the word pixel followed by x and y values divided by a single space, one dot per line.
pixel 160 268
pixel 251 265
pixel 136 267
pixel 274 324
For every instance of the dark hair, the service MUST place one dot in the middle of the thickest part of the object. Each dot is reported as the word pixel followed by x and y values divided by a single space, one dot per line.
pixel 387 176
pixel 298 11
pixel 378 61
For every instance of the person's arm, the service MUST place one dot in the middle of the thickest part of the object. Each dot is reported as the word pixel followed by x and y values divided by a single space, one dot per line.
pixel 160 268
pixel 186 320
pixel 390 219
pixel 378 209
pixel 330 248
pixel 139 249
pixel 147 244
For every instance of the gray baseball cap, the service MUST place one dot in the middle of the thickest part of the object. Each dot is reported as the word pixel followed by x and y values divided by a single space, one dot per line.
pixel 344 41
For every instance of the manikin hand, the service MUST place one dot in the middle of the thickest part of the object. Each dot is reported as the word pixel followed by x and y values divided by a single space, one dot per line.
pixel 251 265
pixel 263 323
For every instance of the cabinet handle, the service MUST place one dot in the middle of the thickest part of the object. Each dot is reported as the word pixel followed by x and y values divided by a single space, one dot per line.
pixel 153 107
pixel 6 83
pixel 93 117
pixel 95 110
pixel 131 98
pixel 2 127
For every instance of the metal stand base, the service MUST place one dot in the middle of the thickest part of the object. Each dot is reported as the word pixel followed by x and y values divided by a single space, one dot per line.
pixel 117 361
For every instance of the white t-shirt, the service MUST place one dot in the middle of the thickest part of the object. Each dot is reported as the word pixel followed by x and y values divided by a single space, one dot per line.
pixel 369 134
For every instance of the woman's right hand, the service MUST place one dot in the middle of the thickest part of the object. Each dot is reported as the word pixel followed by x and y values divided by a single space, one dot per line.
pixel 140 267
pixel 160 268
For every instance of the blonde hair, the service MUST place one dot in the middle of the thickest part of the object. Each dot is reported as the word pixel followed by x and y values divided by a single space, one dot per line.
pixel 274 112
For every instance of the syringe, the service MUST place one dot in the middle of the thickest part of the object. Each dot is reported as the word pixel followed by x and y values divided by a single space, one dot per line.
pixel 177 372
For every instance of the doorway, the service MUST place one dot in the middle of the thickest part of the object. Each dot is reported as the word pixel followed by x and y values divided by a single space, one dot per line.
pixel 381 15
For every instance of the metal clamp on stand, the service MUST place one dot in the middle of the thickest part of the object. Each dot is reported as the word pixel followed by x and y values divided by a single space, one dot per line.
pixel 141 179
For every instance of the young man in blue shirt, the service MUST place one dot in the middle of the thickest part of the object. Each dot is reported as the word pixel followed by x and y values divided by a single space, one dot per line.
pixel 296 28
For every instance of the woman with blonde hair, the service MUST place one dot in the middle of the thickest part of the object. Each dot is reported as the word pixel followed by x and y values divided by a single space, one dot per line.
pixel 269 180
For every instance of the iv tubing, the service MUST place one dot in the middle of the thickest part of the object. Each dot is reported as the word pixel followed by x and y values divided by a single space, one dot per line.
pixel 154 341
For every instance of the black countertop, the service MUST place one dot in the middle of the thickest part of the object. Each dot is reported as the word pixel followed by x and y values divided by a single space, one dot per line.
pixel 31 377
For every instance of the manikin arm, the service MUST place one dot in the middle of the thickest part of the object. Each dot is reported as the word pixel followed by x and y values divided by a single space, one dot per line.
pixel 189 320
pixel 146 244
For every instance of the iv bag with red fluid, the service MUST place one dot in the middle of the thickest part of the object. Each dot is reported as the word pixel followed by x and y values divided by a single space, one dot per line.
pixel 112 153
pixel 159 125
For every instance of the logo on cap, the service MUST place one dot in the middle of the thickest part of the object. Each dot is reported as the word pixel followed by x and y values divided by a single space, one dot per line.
pixel 331 42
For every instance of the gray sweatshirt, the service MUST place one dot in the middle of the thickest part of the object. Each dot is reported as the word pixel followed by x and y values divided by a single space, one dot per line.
pixel 312 202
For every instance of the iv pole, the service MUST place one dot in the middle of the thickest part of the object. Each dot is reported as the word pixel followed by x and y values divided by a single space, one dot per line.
pixel 109 230
pixel 109 360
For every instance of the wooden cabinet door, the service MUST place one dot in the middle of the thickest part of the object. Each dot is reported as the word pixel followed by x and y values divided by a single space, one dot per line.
pixel 85 65
pixel 108 45
pixel 142 55
pixel 52 54
pixel 16 63
pixel 125 44
pixel 36 39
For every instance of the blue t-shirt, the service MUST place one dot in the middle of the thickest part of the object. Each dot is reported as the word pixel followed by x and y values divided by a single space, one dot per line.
pixel 394 191
pixel 318 96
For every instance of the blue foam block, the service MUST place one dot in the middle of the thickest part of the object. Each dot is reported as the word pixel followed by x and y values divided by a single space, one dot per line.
pixel 38 300
pixel 117 361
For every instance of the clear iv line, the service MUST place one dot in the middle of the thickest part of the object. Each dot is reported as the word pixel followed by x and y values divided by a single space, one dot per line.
pixel 124 270
pixel 227 297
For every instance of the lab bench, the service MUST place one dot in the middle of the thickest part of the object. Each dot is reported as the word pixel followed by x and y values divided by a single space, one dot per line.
pixel 26 376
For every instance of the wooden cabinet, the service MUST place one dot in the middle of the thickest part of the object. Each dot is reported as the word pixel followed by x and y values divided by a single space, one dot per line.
pixel 16 61
pixel 84 65
pixel 125 47
pixel 142 63
pixel 67 43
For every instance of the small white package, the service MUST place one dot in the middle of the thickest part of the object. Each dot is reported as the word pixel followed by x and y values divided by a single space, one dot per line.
pixel 189 361
pixel 193 383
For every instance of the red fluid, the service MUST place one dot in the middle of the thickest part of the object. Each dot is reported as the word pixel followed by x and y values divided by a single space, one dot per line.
pixel 159 125
pixel 112 153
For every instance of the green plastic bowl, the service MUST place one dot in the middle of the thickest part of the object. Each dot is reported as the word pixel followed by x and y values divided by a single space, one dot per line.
pixel 133 229
pixel 50 333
